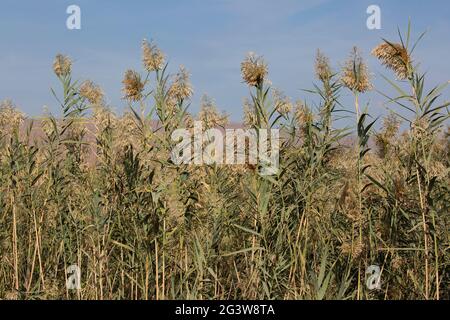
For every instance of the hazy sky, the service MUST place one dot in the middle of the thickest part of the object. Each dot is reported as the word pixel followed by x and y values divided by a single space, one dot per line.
pixel 210 38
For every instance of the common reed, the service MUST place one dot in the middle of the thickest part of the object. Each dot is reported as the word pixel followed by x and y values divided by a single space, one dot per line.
pixel 99 190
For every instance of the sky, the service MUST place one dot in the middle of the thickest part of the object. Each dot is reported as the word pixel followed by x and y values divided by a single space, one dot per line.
pixel 210 38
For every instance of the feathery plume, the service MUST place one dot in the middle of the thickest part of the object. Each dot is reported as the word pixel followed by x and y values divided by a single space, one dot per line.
pixel 322 67
pixel 62 65
pixel 355 74
pixel 209 115
pixel 303 114
pixel 253 69
pixel 104 118
pixel 133 86
pixel 181 88
pixel 152 56
pixel 92 92
pixel 282 103
pixel 395 57
pixel 10 116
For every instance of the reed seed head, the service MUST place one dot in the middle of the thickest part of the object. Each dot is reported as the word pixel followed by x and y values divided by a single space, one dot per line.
pixel 92 92
pixel 355 73
pixel 62 65
pixel 152 56
pixel 209 115
pixel 282 103
pixel 253 69
pixel 322 67
pixel 10 116
pixel 104 118
pixel 391 125
pixel 181 88
pixel 395 57
pixel 303 114
pixel 132 86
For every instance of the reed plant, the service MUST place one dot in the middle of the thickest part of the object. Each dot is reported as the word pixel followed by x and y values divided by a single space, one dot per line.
pixel 99 190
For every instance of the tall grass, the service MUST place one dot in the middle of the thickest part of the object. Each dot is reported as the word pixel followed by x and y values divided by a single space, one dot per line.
pixel 101 191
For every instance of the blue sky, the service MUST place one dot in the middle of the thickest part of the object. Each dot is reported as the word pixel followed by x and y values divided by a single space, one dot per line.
pixel 210 38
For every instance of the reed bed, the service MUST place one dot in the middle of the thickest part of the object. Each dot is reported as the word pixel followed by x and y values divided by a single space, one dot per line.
pixel 99 190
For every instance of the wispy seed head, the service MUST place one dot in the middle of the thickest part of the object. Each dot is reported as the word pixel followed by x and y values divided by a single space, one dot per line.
pixel 152 56
pixel 10 116
pixel 355 74
pixel 103 118
pixel 253 69
pixel 322 67
pixel 395 57
pixel 282 103
pixel 303 114
pixel 62 65
pixel 92 92
pixel 132 86
pixel 181 87
pixel 209 115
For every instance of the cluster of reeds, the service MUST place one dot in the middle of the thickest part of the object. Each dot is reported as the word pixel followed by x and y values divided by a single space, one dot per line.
pixel 100 191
